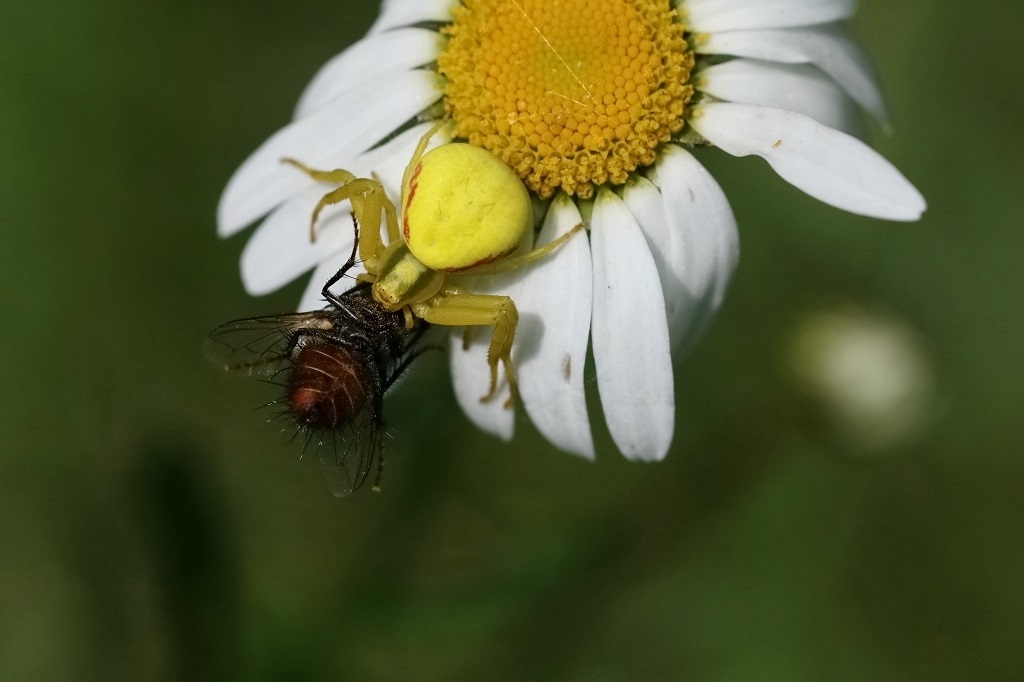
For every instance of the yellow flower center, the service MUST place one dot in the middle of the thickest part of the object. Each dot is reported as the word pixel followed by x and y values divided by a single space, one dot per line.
pixel 570 94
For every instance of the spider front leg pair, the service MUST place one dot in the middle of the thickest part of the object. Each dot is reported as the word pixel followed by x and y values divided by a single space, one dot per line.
pixel 463 212
pixel 369 202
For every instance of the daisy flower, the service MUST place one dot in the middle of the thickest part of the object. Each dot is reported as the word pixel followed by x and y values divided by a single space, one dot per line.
pixel 596 106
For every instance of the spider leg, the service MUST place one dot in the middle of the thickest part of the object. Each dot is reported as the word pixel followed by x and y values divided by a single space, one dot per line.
pixel 456 308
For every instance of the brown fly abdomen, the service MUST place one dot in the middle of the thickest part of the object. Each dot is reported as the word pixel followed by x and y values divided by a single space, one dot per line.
pixel 328 385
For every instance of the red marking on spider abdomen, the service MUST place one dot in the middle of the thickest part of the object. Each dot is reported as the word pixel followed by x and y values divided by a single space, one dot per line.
pixel 483 261
pixel 413 185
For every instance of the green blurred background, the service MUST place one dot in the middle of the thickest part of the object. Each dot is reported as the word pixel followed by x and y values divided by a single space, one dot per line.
pixel 151 528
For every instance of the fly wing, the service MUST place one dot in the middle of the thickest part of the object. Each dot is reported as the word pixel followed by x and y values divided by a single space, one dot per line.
pixel 348 454
pixel 260 345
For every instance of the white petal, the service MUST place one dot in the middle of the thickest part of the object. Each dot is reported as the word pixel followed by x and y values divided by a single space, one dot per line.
pixel 554 302
pixel 312 298
pixel 630 334
pixel 796 87
pixel 733 15
pixel 827 164
pixel 645 202
pixel 705 238
pixel 471 375
pixel 830 48
pixel 397 13
pixel 375 58
pixel 339 131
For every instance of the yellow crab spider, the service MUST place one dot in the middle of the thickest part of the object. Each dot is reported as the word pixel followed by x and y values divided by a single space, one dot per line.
pixel 464 212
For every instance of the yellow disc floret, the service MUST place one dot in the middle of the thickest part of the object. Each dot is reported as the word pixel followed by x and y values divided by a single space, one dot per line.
pixel 570 94
pixel 464 208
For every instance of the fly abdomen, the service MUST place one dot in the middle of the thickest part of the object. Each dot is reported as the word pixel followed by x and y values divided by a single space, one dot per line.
pixel 328 386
